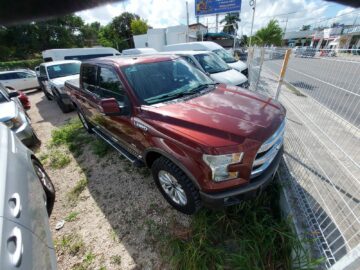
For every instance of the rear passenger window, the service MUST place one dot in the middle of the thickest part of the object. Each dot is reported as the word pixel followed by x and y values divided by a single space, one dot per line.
pixel 88 78
pixel 42 72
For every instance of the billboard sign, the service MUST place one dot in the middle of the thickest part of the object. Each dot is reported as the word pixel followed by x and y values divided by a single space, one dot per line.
pixel 209 7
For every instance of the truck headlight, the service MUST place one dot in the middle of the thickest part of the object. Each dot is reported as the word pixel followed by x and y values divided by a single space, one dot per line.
pixel 219 165
pixel 14 123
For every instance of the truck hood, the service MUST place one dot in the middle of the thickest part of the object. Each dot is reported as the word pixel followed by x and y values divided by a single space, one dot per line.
pixel 226 115
pixel 8 110
pixel 231 76
pixel 59 82
pixel 240 66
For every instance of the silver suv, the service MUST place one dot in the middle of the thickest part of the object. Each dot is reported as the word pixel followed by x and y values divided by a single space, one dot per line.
pixel 27 197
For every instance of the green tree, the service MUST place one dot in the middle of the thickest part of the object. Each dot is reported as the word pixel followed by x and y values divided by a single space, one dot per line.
pixel 121 30
pixel 269 35
pixel 231 20
pixel 139 27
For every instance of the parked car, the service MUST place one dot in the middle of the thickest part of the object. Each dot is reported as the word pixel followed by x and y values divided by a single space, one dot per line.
pixel 78 53
pixel 206 144
pixel 13 115
pixel 215 67
pixel 212 47
pixel 20 79
pixel 53 76
pixel 27 199
pixel 305 52
pixel 137 51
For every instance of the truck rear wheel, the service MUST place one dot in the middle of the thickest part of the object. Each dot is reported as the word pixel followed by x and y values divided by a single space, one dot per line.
pixel 176 186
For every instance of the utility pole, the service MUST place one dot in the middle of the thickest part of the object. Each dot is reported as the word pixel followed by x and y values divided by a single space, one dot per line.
pixel 217 22
pixel 187 21
pixel 252 3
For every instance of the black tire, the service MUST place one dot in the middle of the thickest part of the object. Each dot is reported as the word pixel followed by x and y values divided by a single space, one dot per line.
pixel 88 127
pixel 47 185
pixel 46 93
pixel 193 202
pixel 34 140
pixel 63 107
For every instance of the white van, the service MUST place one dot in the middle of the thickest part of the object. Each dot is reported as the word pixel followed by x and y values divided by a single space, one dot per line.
pixel 138 51
pixel 78 53
pixel 214 67
pixel 213 47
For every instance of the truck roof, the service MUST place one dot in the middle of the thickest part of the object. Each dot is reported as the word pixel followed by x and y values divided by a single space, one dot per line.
pixel 52 63
pixel 131 60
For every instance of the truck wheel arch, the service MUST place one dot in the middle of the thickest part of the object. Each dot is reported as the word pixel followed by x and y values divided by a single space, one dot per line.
pixel 152 154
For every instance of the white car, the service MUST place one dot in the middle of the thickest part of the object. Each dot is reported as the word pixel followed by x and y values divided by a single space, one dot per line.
pixel 20 79
pixel 138 51
pixel 214 67
pixel 212 47
pixel 52 79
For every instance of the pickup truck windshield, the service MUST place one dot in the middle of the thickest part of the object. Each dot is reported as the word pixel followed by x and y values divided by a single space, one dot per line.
pixel 63 70
pixel 225 55
pixel 211 63
pixel 166 80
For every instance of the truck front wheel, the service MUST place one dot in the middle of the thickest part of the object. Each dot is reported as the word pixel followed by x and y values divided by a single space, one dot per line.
pixel 176 186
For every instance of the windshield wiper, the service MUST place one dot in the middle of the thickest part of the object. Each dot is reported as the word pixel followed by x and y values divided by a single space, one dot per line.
pixel 179 94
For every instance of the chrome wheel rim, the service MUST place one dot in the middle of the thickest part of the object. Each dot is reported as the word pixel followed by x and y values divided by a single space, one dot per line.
pixel 43 178
pixel 172 188
pixel 83 120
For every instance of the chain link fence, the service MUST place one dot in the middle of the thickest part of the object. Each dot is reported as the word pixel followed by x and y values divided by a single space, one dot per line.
pixel 321 93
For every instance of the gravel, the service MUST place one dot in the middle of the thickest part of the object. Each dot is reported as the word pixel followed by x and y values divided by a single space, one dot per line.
pixel 120 213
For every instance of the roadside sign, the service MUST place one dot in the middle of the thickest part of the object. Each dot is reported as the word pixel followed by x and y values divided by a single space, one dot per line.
pixel 209 7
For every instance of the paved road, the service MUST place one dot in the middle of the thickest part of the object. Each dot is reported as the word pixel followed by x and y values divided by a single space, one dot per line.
pixel 332 82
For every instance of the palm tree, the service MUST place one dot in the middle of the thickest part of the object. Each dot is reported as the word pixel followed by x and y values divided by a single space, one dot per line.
pixel 230 21
pixel 269 35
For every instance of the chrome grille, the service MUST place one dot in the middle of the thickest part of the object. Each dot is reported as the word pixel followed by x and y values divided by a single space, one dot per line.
pixel 268 151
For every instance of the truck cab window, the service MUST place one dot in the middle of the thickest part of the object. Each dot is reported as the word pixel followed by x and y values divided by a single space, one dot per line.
pixel 88 78
pixel 110 86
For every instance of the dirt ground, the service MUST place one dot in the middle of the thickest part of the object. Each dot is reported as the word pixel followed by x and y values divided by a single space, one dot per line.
pixel 117 215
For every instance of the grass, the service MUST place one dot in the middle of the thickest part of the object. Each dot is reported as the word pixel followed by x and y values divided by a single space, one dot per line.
pixel 71 244
pixel 72 135
pixel 116 259
pixel 251 235
pixel 72 216
pixel 74 193
pixel 58 159
pixel 294 90
pixel 100 147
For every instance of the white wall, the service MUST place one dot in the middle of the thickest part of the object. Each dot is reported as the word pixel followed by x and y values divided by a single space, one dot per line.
pixel 176 34
pixel 140 41
pixel 156 38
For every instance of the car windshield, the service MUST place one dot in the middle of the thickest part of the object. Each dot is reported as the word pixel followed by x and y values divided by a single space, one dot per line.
pixel 225 55
pixel 211 63
pixel 165 80
pixel 63 70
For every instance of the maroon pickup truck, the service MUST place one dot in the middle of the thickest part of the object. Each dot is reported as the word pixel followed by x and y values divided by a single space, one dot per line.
pixel 206 143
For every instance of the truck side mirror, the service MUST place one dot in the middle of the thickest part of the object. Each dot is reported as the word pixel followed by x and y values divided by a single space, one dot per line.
pixel 110 107
pixel 13 94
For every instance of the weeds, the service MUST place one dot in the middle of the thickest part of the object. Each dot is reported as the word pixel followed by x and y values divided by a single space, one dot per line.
pixel 58 159
pixel 74 193
pixel 71 244
pixel 251 235
pixel 100 147
pixel 71 217
pixel 116 259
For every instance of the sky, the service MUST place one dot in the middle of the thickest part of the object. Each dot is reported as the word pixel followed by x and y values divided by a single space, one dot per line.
pixel 164 13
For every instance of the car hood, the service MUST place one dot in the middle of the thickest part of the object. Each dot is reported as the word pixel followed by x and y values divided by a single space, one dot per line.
pixel 226 115
pixel 231 76
pixel 240 66
pixel 8 110
pixel 61 81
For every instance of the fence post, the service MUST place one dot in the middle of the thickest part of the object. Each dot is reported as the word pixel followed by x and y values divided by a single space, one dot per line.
pixel 262 54
pixel 249 62
pixel 282 72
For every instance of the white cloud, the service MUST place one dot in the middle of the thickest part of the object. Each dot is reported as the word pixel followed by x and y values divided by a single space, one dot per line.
pixel 163 13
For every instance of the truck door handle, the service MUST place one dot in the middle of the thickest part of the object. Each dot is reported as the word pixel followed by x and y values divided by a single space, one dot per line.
pixel 15 246
pixel 15 205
